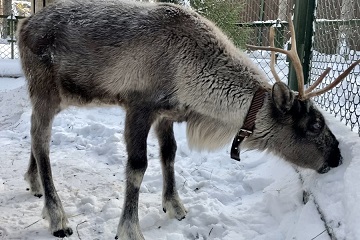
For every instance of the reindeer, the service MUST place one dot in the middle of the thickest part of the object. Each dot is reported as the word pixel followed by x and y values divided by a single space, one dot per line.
pixel 163 64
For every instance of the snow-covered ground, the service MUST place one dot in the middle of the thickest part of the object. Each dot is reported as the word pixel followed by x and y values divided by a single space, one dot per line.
pixel 259 198
pixel 10 68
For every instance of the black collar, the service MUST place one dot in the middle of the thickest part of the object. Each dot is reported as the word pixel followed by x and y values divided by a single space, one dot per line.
pixel 249 123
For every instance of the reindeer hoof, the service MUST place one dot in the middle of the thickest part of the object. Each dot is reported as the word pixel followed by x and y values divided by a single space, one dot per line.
pixel 174 208
pixel 181 218
pixel 63 233
pixel 39 195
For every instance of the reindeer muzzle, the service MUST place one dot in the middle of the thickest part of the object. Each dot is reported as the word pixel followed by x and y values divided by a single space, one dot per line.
pixel 334 161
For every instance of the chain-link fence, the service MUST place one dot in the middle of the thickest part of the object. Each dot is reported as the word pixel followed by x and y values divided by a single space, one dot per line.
pixel 335 44
pixel 257 18
pixel 8 47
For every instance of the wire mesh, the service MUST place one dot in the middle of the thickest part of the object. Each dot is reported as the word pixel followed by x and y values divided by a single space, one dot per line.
pixel 337 45
pixel 258 16
pixel 8 47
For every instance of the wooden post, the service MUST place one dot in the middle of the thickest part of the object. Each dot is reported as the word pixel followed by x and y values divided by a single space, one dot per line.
pixel 346 31
pixel 261 18
pixel 37 5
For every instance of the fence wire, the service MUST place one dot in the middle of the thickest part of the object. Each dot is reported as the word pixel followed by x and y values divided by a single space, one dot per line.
pixel 257 18
pixel 336 44
pixel 8 47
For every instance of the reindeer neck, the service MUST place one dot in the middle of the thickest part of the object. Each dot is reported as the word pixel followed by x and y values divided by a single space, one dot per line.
pixel 247 129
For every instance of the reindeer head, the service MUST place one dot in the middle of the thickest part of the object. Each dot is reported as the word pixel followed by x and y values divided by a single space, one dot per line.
pixel 291 126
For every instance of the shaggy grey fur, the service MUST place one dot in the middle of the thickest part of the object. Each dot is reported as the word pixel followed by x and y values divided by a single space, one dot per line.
pixel 163 64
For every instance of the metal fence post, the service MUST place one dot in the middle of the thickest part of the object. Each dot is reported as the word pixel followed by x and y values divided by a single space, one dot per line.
pixel 11 23
pixel 303 23
pixel 12 29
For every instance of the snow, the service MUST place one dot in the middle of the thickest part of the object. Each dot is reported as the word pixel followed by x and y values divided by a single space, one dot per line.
pixel 259 198
pixel 10 67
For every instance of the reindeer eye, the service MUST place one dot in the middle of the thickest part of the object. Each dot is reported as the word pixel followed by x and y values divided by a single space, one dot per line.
pixel 316 127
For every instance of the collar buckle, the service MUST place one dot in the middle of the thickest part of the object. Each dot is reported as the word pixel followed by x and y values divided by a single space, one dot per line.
pixel 244 133
pixel 235 148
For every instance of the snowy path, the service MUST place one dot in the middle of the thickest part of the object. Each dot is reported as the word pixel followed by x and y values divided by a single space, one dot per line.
pixel 259 198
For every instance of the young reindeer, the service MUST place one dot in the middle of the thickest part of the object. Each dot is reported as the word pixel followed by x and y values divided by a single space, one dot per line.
pixel 163 64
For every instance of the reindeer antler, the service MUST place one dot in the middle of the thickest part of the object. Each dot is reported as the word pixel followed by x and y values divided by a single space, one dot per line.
pixel 294 57
pixel 272 61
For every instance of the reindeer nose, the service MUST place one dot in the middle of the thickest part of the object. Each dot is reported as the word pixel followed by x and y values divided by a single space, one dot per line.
pixel 335 158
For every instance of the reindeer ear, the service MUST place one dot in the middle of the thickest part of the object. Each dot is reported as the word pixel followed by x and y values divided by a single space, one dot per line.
pixel 282 97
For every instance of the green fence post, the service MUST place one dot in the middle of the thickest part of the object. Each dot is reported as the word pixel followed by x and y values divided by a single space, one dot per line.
pixel 12 31
pixel 303 23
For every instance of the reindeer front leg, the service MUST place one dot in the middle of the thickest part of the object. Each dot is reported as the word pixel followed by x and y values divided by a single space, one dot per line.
pixel 137 126
pixel 171 201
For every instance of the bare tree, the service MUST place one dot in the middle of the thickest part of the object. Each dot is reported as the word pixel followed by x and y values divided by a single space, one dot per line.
pixel 347 13
pixel 282 10
pixel 7 7
pixel 1 20
pixel 6 11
